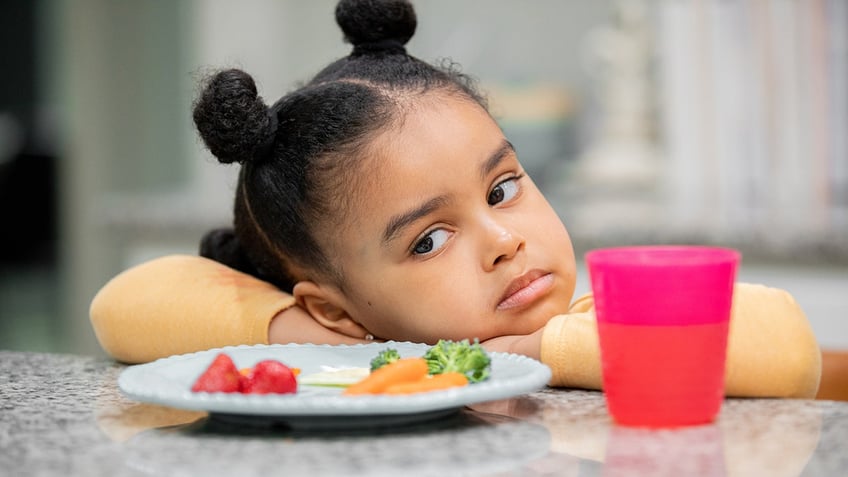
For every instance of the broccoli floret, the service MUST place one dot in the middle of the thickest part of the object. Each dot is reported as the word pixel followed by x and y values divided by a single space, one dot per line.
pixel 470 359
pixel 387 356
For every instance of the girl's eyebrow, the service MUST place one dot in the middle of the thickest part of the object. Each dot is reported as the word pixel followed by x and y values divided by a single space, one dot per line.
pixel 398 222
pixel 496 158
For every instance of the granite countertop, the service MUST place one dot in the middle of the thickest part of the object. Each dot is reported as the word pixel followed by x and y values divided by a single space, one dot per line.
pixel 64 415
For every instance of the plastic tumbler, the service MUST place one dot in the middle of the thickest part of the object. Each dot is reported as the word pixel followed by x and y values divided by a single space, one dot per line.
pixel 663 315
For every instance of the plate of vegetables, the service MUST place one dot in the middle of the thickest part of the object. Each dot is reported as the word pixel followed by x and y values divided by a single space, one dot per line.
pixel 306 385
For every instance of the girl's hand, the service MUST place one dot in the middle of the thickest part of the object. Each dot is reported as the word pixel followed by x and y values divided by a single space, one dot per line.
pixel 528 345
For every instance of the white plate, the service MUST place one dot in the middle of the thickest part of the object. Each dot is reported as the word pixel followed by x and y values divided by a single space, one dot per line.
pixel 168 381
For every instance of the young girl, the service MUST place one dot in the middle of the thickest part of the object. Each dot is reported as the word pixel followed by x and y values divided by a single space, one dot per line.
pixel 381 201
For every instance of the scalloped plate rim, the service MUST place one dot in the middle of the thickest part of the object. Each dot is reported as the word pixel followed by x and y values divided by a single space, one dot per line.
pixel 135 383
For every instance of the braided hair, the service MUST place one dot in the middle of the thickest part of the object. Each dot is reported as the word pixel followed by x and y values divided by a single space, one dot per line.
pixel 300 157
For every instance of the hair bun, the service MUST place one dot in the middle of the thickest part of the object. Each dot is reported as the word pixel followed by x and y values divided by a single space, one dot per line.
pixel 232 119
pixel 376 25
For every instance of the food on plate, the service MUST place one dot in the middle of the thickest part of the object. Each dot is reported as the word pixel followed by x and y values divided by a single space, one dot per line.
pixel 384 357
pixel 403 370
pixel 445 365
pixel 431 382
pixel 470 359
pixel 247 371
pixel 220 376
pixel 334 376
pixel 267 376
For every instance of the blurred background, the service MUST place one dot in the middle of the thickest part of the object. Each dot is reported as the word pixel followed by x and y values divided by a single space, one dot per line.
pixel 706 121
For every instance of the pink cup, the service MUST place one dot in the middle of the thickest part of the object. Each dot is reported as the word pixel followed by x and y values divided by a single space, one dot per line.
pixel 663 314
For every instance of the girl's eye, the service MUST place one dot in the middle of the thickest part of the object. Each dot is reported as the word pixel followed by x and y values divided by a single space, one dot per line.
pixel 431 242
pixel 504 191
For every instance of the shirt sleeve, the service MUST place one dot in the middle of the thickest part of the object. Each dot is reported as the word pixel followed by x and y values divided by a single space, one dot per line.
pixel 771 350
pixel 181 304
pixel 570 347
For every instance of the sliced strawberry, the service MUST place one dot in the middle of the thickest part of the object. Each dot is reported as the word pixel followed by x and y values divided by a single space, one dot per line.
pixel 221 376
pixel 270 376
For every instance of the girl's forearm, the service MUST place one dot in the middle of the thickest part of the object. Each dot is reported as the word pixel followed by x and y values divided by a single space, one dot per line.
pixel 528 345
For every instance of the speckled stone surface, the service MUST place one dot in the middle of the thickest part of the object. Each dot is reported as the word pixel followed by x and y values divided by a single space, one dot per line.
pixel 63 415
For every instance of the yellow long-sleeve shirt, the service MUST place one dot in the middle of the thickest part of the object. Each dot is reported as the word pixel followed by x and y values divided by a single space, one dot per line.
pixel 180 304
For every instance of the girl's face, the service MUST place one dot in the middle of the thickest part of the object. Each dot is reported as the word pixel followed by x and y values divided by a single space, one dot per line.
pixel 450 239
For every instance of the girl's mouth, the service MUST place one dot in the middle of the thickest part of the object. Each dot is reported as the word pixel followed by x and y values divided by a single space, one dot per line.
pixel 526 289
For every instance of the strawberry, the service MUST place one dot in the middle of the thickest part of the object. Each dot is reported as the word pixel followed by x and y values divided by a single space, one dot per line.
pixel 221 376
pixel 270 376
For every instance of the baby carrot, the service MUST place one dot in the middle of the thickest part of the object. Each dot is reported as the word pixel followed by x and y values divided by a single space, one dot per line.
pixel 400 371
pixel 429 383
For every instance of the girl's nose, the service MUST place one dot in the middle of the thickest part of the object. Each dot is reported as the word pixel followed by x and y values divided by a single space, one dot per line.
pixel 504 242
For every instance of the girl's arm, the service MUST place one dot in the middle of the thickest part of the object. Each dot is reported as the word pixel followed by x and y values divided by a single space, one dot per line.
pixel 528 345
pixel 771 350
pixel 181 304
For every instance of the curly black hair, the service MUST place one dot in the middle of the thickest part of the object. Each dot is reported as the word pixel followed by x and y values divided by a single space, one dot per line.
pixel 300 154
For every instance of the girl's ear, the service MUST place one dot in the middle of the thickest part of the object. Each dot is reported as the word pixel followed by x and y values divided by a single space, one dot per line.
pixel 325 307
